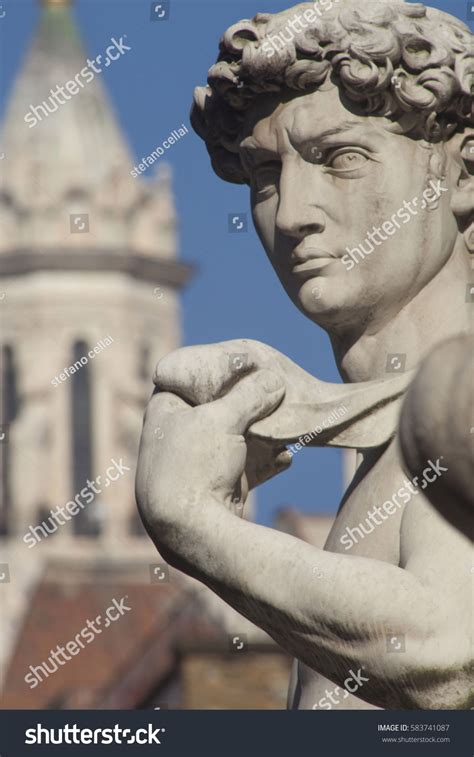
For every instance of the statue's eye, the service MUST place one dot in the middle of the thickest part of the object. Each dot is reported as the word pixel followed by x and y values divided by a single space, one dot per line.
pixel 346 160
pixel 467 151
pixel 267 175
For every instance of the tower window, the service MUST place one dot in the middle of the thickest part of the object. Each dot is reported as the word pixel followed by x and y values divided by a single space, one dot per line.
pixel 144 363
pixel 86 522
pixel 9 411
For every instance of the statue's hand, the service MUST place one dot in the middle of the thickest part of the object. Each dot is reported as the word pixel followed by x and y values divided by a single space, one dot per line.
pixel 205 373
pixel 193 455
pixel 360 415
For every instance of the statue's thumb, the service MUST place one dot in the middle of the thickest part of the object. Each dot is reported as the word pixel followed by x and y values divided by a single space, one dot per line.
pixel 253 397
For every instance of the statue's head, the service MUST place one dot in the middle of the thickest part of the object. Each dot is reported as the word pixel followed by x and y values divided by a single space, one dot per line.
pixel 343 116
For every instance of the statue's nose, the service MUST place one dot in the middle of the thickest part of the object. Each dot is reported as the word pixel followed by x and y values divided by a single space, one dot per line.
pixel 300 208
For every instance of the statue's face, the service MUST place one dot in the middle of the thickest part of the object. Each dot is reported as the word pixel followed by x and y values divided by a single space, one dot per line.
pixel 322 177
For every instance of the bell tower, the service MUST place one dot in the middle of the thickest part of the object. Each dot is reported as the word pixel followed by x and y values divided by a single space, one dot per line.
pixel 89 301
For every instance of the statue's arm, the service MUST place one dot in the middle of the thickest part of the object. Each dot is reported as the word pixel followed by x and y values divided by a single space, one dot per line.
pixel 331 611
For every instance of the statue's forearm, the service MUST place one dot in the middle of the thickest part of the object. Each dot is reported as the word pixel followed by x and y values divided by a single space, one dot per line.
pixel 331 611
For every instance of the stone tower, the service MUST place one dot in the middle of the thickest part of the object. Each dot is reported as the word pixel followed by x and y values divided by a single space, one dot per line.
pixel 89 300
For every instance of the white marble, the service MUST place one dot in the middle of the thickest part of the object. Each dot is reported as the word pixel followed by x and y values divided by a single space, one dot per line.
pixel 369 139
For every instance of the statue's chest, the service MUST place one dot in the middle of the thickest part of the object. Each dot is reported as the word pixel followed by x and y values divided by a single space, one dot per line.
pixel 368 524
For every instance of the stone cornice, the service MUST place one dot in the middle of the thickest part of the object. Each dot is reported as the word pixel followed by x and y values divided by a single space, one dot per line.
pixel 156 270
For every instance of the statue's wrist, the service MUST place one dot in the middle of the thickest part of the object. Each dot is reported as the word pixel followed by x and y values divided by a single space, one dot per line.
pixel 183 511
pixel 184 533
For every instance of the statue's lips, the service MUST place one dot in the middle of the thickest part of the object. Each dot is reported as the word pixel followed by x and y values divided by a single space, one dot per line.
pixel 312 266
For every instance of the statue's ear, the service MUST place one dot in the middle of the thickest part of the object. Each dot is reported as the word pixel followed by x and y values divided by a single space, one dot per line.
pixel 463 196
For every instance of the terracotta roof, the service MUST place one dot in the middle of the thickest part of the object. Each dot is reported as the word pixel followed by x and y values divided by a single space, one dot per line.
pixel 59 610
pixel 124 665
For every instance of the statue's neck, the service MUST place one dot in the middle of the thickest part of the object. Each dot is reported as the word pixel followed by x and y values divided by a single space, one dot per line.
pixel 439 311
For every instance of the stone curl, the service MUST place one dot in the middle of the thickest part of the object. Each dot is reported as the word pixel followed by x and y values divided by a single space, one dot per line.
pixel 389 57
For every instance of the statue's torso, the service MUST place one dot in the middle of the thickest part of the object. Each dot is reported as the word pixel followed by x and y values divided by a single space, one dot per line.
pixel 382 479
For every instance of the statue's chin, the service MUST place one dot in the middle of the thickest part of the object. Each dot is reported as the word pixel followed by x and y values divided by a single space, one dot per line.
pixel 324 303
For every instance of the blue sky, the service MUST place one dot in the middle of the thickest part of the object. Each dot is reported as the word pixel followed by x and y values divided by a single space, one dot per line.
pixel 151 88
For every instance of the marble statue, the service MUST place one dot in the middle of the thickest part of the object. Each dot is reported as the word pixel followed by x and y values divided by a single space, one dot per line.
pixel 352 124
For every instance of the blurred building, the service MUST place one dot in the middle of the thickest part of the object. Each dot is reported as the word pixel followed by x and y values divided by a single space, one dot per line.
pixel 89 301
pixel 89 277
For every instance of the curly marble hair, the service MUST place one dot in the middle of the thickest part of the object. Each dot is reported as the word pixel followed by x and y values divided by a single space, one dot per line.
pixel 409 63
